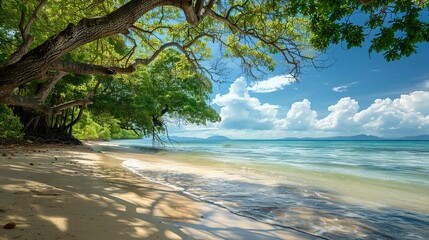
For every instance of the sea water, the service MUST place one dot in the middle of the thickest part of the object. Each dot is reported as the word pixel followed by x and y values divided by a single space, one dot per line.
pixel 332 189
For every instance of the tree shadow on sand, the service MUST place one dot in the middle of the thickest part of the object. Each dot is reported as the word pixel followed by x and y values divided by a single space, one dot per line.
pixel 313 211
pixel 60 200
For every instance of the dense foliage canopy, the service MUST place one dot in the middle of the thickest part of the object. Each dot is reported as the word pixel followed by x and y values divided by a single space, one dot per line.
pixel 56 57
pixel 167 89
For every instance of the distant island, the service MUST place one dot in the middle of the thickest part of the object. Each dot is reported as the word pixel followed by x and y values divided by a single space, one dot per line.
pixel 364 137
pixel 361 137
pixel 215 138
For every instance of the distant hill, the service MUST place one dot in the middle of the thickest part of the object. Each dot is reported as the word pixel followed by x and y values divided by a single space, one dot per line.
pixel 361 137
pixel 420 137
pixel 364 137
pixel 218 138
pixel 184 139
pixel 194 139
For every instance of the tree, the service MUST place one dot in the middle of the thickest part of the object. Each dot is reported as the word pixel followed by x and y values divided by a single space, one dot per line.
pixel 34 49
pixel 394 27
pixel 167 89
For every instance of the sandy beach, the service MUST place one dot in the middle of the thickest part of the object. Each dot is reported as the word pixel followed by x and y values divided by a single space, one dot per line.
pixel 75 192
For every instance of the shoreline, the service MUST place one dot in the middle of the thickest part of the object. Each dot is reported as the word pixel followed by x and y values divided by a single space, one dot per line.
pixel 242 188
pixel 77 192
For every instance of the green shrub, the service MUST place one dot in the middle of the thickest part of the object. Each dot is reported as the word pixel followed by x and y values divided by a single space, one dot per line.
pixel 10 125
pixel 125 134
pixel 105 133
pixel 102 126
pixel 86 128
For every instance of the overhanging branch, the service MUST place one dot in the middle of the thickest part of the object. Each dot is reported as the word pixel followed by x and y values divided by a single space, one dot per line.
pixel 33 65
pixel 288 48
pixel 46 88
pixel 37 105
pixel 83 68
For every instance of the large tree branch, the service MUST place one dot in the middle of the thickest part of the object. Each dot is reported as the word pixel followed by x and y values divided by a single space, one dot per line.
pixel 190 14
pixel 28 102
pixel 83 68
pixel 36 104
pixel 204 12
pixel 39 105
pixel 83 103
pixel 30 67
pixel 45 89
pixel 195 14
pixel 199 6
pixel 79 102
pixel 21 50
pixel 37 62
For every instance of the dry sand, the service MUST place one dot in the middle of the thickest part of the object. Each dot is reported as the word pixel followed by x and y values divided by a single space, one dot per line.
pixel 74 192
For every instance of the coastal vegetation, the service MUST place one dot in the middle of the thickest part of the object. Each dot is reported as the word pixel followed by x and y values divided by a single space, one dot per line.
pixel 122 69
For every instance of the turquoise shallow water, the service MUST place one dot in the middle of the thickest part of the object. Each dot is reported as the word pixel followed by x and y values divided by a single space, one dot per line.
pixel 334 189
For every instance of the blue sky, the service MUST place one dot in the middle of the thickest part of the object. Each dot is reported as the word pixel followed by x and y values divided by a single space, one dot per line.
pixel 359 94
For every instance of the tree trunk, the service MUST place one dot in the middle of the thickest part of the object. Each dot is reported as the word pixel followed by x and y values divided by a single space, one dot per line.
pixel 47 128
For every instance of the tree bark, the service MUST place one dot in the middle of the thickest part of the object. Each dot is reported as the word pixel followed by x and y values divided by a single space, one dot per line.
pixel 45 89
pixel 37 62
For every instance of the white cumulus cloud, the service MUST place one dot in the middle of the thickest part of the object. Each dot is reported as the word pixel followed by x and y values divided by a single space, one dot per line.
pixel 299 117
pixel 341 115
pixel 240 111
pixel 406 115
pixel 272 84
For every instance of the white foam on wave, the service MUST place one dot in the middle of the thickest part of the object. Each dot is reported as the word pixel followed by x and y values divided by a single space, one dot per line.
pixel 138 167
